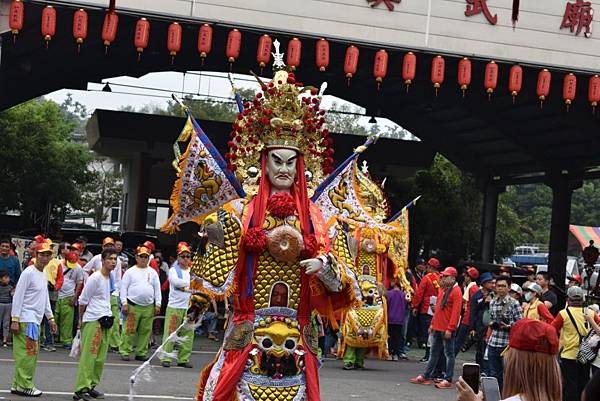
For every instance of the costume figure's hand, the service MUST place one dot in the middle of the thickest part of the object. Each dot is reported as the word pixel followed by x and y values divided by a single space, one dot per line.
pixel 312 266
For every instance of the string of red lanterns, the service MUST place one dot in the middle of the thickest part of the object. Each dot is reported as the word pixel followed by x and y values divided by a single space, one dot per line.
pixel 48 25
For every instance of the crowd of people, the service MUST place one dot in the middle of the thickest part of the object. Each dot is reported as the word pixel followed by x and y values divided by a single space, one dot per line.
pixel 520 335
pixel 58 295
pixel 515 330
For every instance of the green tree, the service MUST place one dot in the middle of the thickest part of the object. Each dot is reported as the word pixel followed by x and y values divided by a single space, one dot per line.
pixel 448 216
pixel 101 192
pixel 42 169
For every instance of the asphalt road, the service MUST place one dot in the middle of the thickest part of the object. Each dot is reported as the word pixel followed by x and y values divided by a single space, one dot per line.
pixel 380 381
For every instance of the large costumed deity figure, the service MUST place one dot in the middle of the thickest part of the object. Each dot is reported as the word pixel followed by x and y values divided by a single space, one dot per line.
pixel 270 249
pixel 356 208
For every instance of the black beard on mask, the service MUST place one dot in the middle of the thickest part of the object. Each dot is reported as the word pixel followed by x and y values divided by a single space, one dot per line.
pixel 287 365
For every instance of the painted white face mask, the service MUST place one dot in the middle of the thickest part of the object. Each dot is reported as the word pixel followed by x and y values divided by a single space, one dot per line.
pixel 528 296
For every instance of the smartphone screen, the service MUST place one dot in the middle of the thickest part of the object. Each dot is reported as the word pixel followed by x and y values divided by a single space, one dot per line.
pixel 470 375
pixel 491 391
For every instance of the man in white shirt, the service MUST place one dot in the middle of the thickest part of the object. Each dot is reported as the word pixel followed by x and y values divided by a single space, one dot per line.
pixel 140 296
pixel 95 317
pixel 67 298
pixel 95 263
pixel 179 298
pixel 30 304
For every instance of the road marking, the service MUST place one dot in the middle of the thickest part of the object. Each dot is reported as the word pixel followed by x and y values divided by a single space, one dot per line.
pixel 137 396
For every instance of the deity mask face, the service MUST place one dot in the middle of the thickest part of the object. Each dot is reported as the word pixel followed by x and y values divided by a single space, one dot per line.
pixel 281 168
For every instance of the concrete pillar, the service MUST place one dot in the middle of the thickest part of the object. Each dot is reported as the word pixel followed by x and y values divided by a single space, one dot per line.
pixel 562 191
pixel 136 184
pixel 488 220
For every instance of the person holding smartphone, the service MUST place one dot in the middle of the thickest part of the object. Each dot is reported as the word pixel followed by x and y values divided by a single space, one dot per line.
pixel 532 371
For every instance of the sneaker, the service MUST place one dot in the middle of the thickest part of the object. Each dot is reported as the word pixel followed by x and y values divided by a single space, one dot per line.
pixel 444 384
pixel 27 392
pixel 125 358
pixel 142 358
pixel 438 379
pixel 348 366
pixel 403 356
pixel 424 359
pixel 4 345
pixel 81 396
pixel 186 365
pixel 49 348
pixel 420 380
pixel 395 358
pixel 96 394
pixel 212 337
pixel 357 366
pixel 390 358
pixel 166 364
pixel 114 349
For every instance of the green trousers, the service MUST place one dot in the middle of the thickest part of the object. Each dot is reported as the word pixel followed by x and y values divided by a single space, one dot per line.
pixel 137 322
pixel 94 345
pixel 355 356
pixel 25 353
pixel 114 333
pixel 174 317
pixel 64 315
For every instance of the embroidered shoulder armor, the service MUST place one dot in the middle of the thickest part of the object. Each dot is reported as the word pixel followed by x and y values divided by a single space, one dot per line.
pixel 216 268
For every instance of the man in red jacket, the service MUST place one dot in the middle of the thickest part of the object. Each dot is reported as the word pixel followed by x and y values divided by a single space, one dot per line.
pixel 428 287
pixel 471 276
pixel 443 328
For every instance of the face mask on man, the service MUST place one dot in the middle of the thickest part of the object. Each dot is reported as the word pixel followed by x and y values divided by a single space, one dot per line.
pixel 528 296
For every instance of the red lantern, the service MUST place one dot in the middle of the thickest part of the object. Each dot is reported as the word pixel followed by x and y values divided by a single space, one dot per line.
pixel 142 36
pixel 205 41
pixel 16 15
pixel 464 74
pixel 594 92
pixel 351 62
pixel 490 79
pixel 438 67
pixel 515 81
pixel 569 89
pixel 263 53
pixel 409 68
pixel 380 65
pixel 174 40
pixel 48 23
pixel 543 85
pixel 80 27
pixel 322 54
pixel 234 44
pixel 294 52
pixel 109 29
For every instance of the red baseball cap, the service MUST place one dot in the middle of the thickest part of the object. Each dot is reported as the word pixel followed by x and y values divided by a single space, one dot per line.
pixel 433 262
pixel 533 335
pixel 576 277
pixel 149 245
pixel 473 273
pixel 450 271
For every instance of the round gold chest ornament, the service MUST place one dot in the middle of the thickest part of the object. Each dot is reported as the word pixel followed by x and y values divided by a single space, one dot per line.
pixel 285 243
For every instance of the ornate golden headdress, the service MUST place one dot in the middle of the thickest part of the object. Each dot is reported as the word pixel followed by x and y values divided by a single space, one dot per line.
pixel 286 114
pixel 371 195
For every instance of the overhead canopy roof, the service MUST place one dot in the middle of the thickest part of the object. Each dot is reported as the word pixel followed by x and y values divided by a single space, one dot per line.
pixel 493 139
pixel 585 234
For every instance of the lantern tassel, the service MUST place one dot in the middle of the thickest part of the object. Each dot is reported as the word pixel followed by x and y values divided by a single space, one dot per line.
pixel 514 99
pixel 407 86
pixel 464 93
pixel 515 13
pixel 106 50
pixel 348 82
pixel 14 38
pixel 139 58
pixel 172 60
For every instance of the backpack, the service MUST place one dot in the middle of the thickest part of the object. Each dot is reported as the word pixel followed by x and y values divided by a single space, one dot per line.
pixel 588 343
